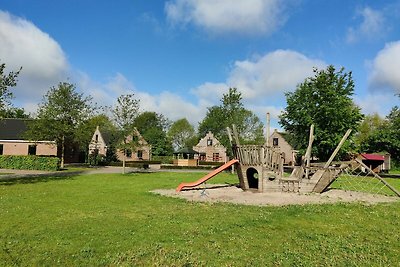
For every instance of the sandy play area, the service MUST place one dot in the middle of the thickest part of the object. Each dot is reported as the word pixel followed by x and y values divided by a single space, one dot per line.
pixel 233 194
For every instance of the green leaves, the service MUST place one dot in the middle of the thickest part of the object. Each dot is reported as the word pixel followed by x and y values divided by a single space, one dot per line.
pixel 6 81
pixel 325 101
pixel 29 163
pixel 182 134
pixel 60 115
pixel 231 111
pixel 379 135
pixel 152 126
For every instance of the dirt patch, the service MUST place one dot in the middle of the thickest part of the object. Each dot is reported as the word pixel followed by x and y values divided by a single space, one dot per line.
pixel 233 194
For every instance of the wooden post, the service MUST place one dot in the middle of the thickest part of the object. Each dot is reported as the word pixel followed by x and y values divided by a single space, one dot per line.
pixel 337 149
pixel 235 134
pixel 308 152
pixel 268 128
pixel 228 130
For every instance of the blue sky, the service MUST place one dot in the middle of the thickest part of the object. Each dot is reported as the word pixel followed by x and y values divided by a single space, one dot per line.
pixel 179 56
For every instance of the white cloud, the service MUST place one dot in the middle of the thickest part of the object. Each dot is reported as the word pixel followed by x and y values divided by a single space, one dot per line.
pixel 379 102
pixel 385 68
pixel 271 74
pixel 43 62
pixel 371 27
pixel 250 16
pixel 171 105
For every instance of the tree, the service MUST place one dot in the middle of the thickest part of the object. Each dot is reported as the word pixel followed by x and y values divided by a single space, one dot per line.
pixel 87 128
pixel 124 113
pixel 15 113
pixel 232 111
pixel 181 133
pixel 368 127
pixel 153 127
pixel 60 115
pixel 6 81
pixel 386 137
pixel 323 100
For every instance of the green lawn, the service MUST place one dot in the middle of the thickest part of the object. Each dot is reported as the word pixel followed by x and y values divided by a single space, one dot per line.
pixel 112 219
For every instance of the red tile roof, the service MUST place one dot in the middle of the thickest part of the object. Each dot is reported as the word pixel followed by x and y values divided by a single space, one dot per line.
pixel 373 157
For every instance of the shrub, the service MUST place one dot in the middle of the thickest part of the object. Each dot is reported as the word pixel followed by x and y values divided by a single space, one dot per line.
pixel 211 163
pixel 144 164
pixel 29 162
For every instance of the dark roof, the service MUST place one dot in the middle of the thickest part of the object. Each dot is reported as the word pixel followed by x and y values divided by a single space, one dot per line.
pixel 107 135
pixel 373 157
pixel 186 150
pixel 13 129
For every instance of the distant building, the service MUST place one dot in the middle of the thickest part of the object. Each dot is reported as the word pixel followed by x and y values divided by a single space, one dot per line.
pixel 186 157
pixel 376 162
pixel 210 149
pixel 277 139
pixel 101 141
pixel 12 141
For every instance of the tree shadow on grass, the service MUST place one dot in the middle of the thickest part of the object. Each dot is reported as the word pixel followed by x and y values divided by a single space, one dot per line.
pixel 37 178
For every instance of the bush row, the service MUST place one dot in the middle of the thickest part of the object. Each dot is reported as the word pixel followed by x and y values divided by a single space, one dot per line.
pixel 29 162
pixel 144 164
pixel 211 163
pixel 187 167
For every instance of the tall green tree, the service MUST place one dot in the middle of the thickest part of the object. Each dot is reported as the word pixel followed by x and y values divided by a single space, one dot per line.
pixel 15 113
pixel 87 128
pixel 182 134
pixel 125 111
pixel 386 137
pixel 368 127
pixel 232 111
pixel 6 81
pixel 325 101
pixel 60 115
pixel 153 127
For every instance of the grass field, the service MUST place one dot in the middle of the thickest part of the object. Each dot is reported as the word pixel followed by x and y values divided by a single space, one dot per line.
pixel 113 219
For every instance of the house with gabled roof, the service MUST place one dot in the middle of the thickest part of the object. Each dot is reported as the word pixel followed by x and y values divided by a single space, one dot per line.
pixel 210 149
pixel 12 141
pixel 277 139
pixel 101 141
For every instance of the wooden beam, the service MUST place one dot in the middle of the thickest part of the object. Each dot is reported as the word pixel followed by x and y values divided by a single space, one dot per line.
pixel 344 138
pixel 235 134
pixel 268 129
pixel 228 130
pixel 309 148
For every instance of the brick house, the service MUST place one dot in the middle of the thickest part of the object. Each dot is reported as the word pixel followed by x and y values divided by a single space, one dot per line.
pixel 101 142
pixel 13 143
pixel 210 149
pixel 277 139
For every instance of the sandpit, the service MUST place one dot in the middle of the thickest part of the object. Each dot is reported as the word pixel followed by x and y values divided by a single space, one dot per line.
pixel 233 194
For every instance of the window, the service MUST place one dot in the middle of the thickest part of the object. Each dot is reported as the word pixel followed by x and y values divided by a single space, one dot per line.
pixel 32 150
pixel 1 149
pixel 128 153
pixel 215 156
pixel 275 141
pixel 140 154
pixel 209 142
pixel 97 137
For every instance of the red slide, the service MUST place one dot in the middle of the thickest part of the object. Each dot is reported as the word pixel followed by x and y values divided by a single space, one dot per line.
pixel 207 177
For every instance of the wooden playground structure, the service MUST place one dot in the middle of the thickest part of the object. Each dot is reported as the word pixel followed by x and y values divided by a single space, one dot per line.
pixel 260 169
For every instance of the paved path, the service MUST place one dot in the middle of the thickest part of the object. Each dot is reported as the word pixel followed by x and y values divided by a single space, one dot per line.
pixel 7 174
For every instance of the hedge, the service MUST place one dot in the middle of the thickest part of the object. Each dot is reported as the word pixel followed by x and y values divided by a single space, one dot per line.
pixel 29 162
pixel 144 164
pixel 211 163
pixel 188 167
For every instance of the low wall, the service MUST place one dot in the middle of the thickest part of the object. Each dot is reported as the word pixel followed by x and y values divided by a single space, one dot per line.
pixel 185 162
